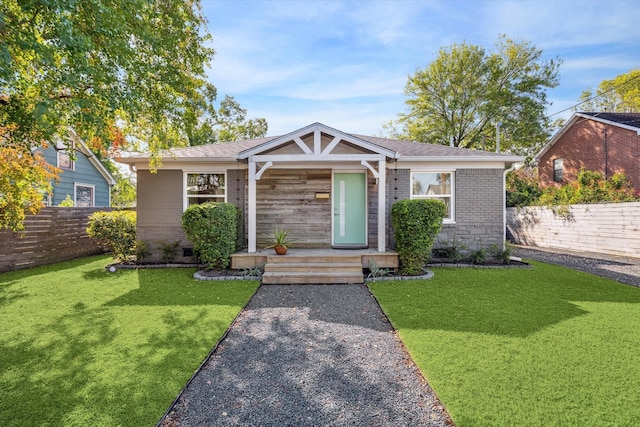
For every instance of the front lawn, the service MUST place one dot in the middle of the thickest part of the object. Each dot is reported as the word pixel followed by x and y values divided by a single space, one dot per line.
pixel 80 346
pixel 546 346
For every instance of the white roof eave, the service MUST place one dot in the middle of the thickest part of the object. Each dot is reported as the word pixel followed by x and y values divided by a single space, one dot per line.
pixel 505 158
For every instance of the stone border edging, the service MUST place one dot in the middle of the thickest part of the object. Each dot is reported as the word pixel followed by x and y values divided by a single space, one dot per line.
pixel 199 276
pixel 117 266
pixel 462 265
pixel 426 276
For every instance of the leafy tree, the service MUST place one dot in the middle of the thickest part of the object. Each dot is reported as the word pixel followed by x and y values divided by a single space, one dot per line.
pixel 206 125
pixel 25 178
pixel 466 91
pixel 99 64
pixel 123 194
pixel 620 94
pixel 233 125
pixel 115 71
pixel 522 187
pixel 590 187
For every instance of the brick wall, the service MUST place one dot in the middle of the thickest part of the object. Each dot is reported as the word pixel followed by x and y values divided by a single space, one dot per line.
pixel 583 146
pixel 611 228
pixel 478 206
pixel 54 235
pixel 160 203
pixel 479 209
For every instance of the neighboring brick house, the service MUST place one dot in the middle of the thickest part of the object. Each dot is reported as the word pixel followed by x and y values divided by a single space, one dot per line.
pixel 84 179
pixel 600 142
pixel 329 188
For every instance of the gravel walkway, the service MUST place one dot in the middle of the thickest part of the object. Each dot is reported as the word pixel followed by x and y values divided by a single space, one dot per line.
pixel 309 355
pixel 619 268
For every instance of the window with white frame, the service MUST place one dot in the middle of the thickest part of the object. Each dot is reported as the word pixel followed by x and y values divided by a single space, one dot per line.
pixel 205 187
pixel 65 161
pixel 435 185
pixel 558 169
pixel 84 195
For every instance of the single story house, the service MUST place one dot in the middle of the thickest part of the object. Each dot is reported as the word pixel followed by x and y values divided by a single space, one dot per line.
pixel 329 188
pixel 600 142
pixel 83 178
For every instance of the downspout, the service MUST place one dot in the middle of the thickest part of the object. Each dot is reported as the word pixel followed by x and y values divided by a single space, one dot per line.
pixel 606 156
pixel 504 205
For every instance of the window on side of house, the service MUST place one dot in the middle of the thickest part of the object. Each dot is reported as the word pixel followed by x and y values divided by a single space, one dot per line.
pixel 64 158
pixel 84 195
pixel 557 170
pixel 205 187
pixel 435 185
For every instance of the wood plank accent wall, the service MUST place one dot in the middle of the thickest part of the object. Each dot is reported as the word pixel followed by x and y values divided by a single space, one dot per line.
pixel 610 228
pixel 287 198
pixel 54 235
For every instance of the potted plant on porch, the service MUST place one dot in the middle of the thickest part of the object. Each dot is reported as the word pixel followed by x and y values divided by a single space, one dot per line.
pixel 279 241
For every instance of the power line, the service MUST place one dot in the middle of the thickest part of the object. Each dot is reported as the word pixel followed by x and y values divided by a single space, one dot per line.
pixel 598 95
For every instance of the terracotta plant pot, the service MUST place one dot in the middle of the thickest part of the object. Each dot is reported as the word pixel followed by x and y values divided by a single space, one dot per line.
pixel 280 250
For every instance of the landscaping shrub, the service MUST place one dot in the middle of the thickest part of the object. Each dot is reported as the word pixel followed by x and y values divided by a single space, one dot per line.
pixel 212 228
pixel 522 187
pixel 416 223
pixel 590 187
pixel 115 232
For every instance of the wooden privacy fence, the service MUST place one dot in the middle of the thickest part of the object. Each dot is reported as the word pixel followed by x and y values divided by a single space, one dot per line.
pixel 55 234
pixel 610 228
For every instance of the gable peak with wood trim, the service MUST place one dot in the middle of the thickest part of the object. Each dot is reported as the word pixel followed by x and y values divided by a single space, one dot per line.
pixel 317 142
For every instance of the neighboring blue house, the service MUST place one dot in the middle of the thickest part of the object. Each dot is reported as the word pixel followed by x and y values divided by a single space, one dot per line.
pixel 84 179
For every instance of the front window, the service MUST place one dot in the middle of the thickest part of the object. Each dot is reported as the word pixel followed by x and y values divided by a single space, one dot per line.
pixel 85 196
pixel 557 170
pixel 205 187
pixel 434 185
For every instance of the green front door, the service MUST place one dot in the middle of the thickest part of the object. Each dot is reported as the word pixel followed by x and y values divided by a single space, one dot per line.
pixel 349 210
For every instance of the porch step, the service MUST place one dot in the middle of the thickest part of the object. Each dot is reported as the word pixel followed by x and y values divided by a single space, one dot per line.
pixel 312 269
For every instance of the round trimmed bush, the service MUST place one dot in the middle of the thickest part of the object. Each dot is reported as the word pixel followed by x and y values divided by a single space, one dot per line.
pixel 115 232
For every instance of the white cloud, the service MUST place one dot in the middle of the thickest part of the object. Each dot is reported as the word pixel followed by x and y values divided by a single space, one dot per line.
pixel 345 63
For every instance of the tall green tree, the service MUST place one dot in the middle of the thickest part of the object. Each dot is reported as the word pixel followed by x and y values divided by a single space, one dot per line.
pixel 466 91
pixel 99 64
pixel 115 71
pixel 228 122
pixel 123 194
pixel 618 95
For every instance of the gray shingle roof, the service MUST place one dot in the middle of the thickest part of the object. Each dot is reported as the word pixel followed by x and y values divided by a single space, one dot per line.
pixel 628 119
pixel 418 149
pixel 406 149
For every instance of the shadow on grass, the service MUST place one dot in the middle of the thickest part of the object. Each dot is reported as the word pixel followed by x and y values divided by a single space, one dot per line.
pixel 13 276
pixel 73 361
pixel 510 302
pixel 10 294
pixel 176 287
pixel 87 374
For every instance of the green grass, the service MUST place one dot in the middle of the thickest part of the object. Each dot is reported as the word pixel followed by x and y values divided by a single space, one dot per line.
pixel 81 346
pixel 546 346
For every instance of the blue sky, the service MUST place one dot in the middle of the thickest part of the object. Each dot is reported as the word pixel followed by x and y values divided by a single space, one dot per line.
pixel 345 63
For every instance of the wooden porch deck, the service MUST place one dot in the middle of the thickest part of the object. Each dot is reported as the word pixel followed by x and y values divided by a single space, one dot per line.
pixel 302 266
